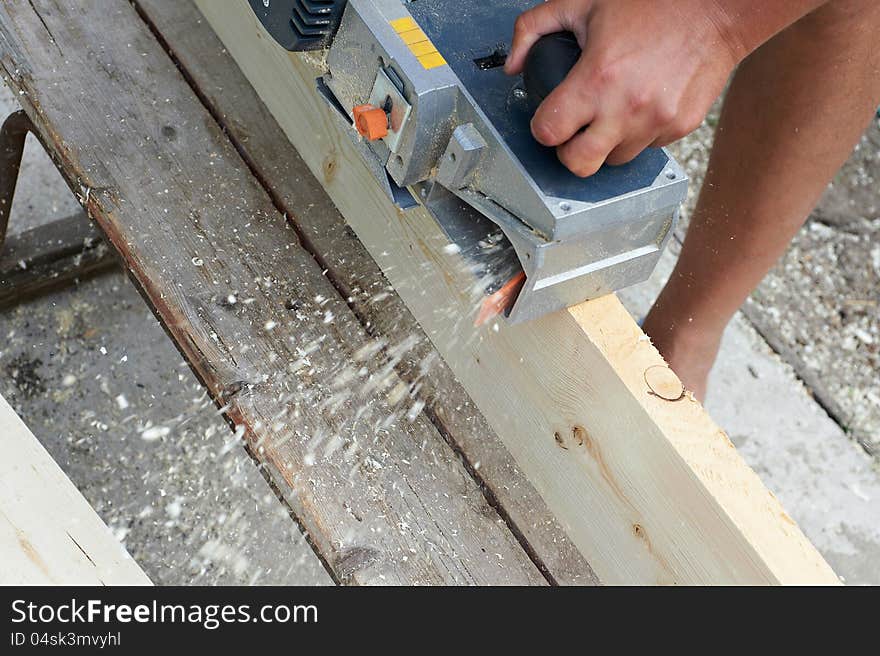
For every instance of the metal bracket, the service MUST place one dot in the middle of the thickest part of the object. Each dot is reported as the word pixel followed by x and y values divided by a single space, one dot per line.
pixel 462 157
pixel 386 92
pixel 44 258
pixel 12 137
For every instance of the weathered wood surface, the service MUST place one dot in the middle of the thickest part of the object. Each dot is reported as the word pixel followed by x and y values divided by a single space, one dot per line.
pixel 382 496
pixel 49 534
pixel 50 256
pixel 647 487
pixel 263 144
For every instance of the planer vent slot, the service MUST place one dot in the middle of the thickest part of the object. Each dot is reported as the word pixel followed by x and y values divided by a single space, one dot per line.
pixel 495 59
pixel 300 24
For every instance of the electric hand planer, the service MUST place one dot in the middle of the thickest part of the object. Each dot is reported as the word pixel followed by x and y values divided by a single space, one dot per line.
pixel 442 126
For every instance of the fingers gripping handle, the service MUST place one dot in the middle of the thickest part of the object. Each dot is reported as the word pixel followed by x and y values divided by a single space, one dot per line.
pixel 548 63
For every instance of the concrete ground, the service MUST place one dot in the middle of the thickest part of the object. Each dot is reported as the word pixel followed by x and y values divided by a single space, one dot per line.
pixel 99 383
pixel 104 390
pixel 822 301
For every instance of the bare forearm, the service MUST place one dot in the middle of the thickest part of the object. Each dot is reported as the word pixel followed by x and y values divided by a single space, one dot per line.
pixel 792 113
pixel 748 24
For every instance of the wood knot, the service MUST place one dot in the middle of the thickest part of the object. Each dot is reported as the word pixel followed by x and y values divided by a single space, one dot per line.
pixel 329 168
pixel 579 434
pixel 640 533
pixel 351 561
pixel 663 382
pixel 559 441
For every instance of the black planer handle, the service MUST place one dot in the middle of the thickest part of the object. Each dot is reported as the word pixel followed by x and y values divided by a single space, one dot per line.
pixel 547 64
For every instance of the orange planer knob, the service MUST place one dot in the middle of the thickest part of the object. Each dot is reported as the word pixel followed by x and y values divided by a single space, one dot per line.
pixel 371 122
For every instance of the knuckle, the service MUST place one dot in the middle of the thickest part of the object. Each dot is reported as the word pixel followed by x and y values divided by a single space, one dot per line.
pixel 555 121
pixel 694 121
pixel 666 113
pixel 623 155
pixel 585 170
pixel 686 123
pixel 607 75
pixel 638 100
pixel 616 159
pixel 678 131
pixel 598 147
pixel 582 162
pixel 524 23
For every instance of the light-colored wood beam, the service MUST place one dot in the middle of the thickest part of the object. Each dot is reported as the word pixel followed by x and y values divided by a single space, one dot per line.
pixel 649 489
pixel 49 534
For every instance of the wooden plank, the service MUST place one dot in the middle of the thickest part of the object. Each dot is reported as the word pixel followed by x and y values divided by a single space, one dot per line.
pixel 50 256
pixel 256 134
pixel 649 489
pixel 382 496
pixel 49 534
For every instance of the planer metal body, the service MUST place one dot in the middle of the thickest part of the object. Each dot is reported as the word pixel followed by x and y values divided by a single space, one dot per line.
pixel 458 141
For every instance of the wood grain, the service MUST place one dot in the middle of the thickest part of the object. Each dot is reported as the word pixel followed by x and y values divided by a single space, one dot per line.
pixel 256 134
pixel 650 490
pixel 381 495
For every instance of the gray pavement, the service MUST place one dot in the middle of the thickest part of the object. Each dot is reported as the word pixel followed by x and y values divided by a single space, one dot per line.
pixel 99 383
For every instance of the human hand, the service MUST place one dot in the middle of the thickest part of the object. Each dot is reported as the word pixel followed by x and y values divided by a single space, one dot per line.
pixel 648 75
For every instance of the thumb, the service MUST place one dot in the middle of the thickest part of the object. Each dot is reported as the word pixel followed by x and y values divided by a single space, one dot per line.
pixel 531 25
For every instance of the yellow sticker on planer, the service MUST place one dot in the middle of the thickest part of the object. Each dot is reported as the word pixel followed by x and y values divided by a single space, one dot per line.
pixel 418 42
